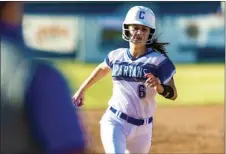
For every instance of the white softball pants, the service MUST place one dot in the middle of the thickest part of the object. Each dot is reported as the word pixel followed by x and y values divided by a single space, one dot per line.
pixel 118 136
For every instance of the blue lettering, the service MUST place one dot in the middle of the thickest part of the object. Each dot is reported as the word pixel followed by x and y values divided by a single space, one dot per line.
pixel 141 15
pixel 131 72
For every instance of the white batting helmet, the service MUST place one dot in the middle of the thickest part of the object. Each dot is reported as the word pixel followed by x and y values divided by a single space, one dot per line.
pixel 139 15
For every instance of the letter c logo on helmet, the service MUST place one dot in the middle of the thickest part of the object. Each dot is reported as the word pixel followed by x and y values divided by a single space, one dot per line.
pixel 139 15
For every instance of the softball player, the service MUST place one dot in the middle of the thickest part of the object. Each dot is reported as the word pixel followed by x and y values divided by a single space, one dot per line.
pixel 138 74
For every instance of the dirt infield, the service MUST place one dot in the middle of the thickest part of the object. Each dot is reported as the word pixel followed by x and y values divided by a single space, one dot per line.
pixel 176 130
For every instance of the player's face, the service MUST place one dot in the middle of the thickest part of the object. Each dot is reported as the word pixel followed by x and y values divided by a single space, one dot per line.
pixel 139 34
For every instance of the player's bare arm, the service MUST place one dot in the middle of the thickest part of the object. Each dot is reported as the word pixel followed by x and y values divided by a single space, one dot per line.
pixel 98 73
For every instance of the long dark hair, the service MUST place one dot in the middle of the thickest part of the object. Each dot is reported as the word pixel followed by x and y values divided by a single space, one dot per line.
pixel 158 46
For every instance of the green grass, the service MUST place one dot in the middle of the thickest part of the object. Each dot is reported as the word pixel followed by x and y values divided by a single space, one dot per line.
pixel 196 84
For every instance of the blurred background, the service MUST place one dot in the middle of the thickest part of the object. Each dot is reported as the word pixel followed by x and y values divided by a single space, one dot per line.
pixel 76 36
pixel 194 29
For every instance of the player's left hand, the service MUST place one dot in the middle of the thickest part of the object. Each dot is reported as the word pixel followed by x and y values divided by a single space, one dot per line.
pixel 152 81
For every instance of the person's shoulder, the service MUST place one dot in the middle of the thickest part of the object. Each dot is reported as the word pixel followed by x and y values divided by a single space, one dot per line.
pixel 47 77
pixel 158 54
pixel 46 72
pixel 45 67
pixel 157 57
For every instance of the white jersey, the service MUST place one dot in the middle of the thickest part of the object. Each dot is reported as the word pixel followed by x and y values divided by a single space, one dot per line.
pixel 130 95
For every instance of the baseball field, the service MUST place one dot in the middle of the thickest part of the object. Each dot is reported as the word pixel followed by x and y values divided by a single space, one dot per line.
pixel 194 123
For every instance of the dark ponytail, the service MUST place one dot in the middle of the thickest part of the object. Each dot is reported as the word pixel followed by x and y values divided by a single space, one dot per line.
pixel 158 46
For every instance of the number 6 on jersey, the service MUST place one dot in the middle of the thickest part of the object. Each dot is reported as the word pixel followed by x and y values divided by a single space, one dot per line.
pixel 141 90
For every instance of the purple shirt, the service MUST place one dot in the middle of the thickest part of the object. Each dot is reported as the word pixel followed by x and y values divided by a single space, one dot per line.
pixel 52 118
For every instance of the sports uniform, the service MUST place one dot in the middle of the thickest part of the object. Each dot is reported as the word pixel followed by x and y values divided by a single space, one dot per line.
pixel 126 126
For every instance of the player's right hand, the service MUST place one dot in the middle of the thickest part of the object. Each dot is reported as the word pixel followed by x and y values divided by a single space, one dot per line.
pixel 78 98
pixel 152 81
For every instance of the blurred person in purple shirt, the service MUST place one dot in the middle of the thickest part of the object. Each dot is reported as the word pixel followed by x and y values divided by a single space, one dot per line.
pixel 37 114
